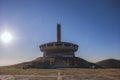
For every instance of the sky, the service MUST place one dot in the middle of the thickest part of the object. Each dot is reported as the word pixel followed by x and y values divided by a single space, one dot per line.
pixel 92 24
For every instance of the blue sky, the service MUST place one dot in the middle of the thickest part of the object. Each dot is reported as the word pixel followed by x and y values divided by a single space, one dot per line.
pixel 92 24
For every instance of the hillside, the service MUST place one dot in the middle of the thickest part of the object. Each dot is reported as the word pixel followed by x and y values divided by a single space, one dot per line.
pixel 59 62
pixel 109 63
pixel 68 62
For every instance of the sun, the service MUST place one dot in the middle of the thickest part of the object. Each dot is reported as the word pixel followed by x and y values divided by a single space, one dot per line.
pixel 6 37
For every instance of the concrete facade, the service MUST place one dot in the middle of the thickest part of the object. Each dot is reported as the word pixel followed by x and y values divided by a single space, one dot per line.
pixel 58 49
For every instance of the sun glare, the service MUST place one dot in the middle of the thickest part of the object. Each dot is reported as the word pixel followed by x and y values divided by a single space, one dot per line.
pixel 6 37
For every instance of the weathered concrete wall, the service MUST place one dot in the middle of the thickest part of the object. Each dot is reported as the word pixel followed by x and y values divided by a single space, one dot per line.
pixel 59 55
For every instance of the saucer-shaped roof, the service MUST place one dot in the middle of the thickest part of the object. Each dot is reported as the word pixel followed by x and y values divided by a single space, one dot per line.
pixel 58 47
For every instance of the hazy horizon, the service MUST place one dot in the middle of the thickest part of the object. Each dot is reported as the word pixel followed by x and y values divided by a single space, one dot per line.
pixel 92 24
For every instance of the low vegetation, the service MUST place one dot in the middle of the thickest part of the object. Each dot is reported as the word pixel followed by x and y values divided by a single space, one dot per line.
pixel 109 63
pixel 105 73
pixel 58 62
pixel 78 74
pixel 73 71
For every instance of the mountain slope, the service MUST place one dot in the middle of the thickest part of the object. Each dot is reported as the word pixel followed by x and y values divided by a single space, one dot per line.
pixel 58 62
pixel 109 63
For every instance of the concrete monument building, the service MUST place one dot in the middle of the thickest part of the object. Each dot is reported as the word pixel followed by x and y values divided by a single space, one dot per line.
pixel 59 48
pixel 59 54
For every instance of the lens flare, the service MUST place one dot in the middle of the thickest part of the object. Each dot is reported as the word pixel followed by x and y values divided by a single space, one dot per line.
pixel 6 37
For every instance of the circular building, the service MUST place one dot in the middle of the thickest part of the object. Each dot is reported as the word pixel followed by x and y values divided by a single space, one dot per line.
pixel 58 49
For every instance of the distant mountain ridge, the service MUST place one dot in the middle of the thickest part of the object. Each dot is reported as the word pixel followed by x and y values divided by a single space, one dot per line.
pixel 109 63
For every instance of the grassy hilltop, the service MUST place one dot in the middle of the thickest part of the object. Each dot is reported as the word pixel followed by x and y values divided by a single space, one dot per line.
pixel 59 62
pixel 78 73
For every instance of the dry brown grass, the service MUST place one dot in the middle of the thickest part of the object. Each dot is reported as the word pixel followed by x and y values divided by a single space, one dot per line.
pixel 79 74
